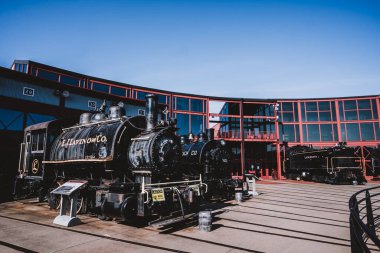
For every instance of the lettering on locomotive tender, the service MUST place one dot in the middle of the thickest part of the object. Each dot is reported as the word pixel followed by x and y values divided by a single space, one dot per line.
pixel 72 142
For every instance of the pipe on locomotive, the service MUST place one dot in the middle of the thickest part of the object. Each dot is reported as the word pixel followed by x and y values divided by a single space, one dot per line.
pixel 151 111
pixel 210 134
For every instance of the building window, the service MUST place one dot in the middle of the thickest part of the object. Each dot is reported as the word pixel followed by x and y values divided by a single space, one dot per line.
pixel 367 131
pixel 48 75
pixel 100 87
pixel 196 124
pixel 69 80
pixel 182 104
pixel 289 133
pixel 141 95
pixel 350 105
pixel 352 130
pixel 351 115
pixel 335 128
pixel 365 114
pixel 121 92
pixel 374 109
pixel 287 117
pixel 364 104
pixel 20 67
pixel 326 132
pixel 313 133
pixel 162 99
pixel 287 106
pixel 182 123
pixel 196 105
pixel 11 120
pixel 312 116
pixel 324 106
pixel 318 111
pixel 341 111
pixel 324 116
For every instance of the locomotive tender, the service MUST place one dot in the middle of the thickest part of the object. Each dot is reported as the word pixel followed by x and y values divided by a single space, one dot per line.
pixel 336 165
pixel 130 164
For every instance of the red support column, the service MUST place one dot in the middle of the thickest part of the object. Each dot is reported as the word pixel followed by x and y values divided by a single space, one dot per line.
pixel 278 151
pixel 208 112
pixel 337 115
pixel 378 108
pixel 363 161
pixel 171 106
pixel 241 137
pixel 299 111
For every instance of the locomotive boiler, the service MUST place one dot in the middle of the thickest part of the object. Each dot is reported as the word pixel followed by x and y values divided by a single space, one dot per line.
pixel 336 165
pixel 129 163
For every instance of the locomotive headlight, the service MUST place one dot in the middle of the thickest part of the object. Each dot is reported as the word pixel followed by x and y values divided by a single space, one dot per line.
pixel 222 142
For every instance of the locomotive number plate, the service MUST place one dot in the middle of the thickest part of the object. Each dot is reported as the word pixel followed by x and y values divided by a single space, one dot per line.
pixel 158 195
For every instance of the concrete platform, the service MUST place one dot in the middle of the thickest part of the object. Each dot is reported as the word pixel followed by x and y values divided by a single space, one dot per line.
pixel 287 217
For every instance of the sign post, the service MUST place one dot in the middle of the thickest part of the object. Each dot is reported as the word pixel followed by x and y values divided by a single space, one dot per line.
pixel 69 198
pixel 251 180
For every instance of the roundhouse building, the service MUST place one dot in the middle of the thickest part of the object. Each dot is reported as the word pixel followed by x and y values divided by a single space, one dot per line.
pixel 256 129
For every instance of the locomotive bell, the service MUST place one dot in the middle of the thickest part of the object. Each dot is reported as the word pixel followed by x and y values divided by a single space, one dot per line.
pixel 85 118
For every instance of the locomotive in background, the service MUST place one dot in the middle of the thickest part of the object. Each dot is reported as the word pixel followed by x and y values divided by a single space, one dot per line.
pixel 336 165
pixel 135 166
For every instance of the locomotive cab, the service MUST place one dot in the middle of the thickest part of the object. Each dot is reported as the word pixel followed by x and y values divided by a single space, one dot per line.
pixel 38 140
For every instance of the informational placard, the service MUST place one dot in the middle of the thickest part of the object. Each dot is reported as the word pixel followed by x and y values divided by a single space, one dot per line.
pixel 158 194
pixel 69 187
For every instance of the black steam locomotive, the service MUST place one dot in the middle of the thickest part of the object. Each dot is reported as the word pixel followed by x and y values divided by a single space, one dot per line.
pixel 129 163
pixel 336 165
pixel 211 158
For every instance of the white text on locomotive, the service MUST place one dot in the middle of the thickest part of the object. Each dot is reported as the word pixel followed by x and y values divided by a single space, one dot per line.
pixel 72 142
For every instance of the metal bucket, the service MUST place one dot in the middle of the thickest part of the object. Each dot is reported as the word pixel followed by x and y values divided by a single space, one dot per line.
pixel 205 221
pixel 239 197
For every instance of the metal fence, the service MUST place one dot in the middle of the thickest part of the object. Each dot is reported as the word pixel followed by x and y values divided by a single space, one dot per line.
pixel 365 220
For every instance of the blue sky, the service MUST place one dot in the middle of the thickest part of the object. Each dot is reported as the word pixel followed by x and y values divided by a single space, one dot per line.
pixel 258 49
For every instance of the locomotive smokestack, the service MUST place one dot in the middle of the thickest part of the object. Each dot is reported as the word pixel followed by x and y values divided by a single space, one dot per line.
pixel 151 111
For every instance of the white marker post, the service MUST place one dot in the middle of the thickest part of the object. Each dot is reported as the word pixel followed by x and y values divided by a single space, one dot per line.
pixel 250 178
